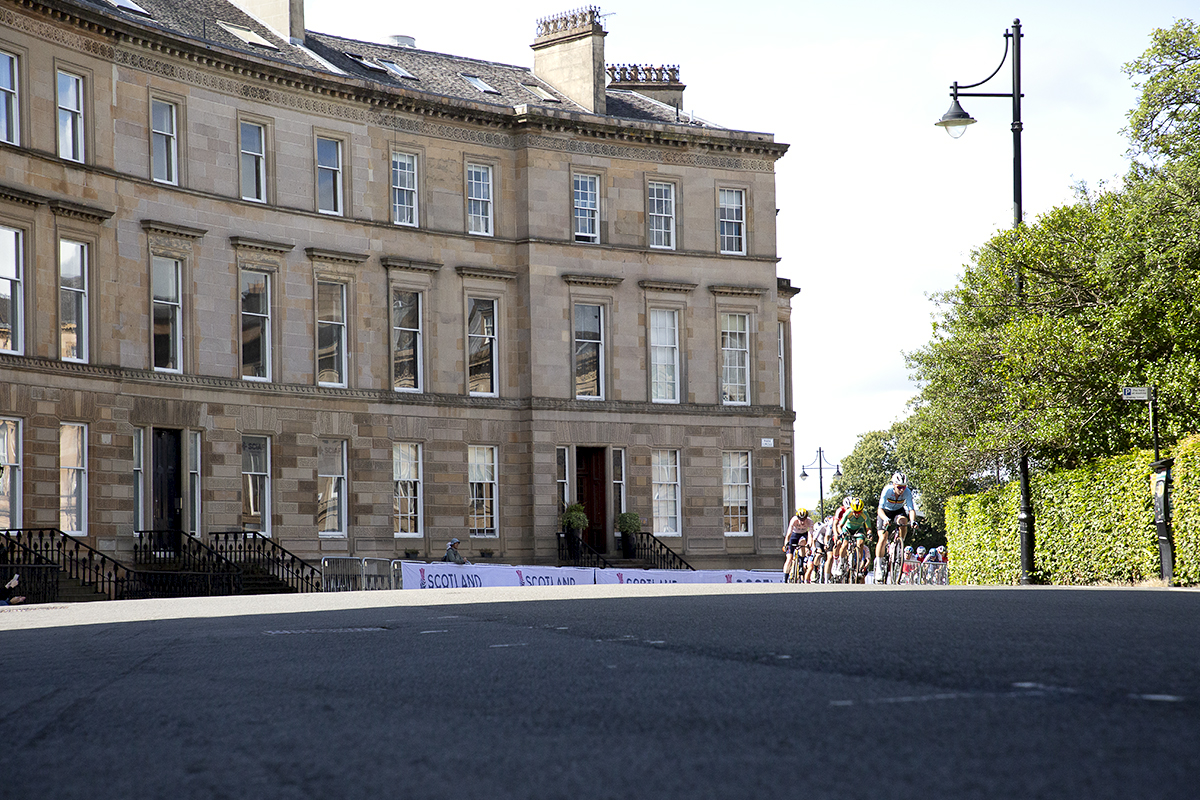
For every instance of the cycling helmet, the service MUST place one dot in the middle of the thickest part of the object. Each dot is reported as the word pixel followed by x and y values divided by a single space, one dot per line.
pixel 941 548
pixel 802 512
pixel 846 501
pixel 921 550
pixel 856 506
pixel 898 479
pixel 908 549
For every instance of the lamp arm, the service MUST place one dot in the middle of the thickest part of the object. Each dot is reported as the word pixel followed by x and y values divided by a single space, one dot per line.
pixel 989 77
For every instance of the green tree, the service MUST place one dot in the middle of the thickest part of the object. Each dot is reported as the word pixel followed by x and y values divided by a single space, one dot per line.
pixel 865 471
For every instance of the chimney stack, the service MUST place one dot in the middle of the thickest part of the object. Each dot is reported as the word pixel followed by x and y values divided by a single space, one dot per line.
pixel 568 54
pixel 657 83
pixel 285 17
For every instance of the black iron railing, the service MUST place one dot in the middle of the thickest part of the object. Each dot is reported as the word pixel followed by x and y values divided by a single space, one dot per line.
pixel 574 551
pixel 78 561
pixel 176 550
pixel 650 549
pixel 254 552
pixel 37 579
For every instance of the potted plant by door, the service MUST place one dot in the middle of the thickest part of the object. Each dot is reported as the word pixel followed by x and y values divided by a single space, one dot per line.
pixel 630 525
pixel 573 521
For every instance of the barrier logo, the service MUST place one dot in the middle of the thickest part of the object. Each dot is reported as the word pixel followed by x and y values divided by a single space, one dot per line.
pixel 423 578
pixel 729 577
pixel 520 578
pixel 620 577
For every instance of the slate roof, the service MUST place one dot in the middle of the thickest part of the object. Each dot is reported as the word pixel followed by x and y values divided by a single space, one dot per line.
pixel 435 73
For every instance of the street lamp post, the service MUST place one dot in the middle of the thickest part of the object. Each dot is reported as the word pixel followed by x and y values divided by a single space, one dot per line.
pixel 955 122
pixel 820 463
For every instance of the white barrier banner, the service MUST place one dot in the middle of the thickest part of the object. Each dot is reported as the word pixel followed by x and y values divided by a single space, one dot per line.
pixel 738 576
pixel 555 576
pixel 445 575
pixel 615 576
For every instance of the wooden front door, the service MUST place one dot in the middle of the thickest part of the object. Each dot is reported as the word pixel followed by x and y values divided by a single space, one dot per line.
pixel 590 482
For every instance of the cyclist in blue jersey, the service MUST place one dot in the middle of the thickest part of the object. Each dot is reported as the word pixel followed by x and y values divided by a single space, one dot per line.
pixel 895 499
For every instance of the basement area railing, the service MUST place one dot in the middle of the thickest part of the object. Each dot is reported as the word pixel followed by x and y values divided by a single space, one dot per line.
pixel 252 551
pixel 575 552
pixel 650 549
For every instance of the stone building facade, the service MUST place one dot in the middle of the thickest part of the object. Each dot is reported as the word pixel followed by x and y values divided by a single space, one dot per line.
pixel 365 297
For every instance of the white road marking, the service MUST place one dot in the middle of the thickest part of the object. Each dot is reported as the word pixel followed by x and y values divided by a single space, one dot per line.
pixel 517 644
pixel 1158 698
pixel 443 631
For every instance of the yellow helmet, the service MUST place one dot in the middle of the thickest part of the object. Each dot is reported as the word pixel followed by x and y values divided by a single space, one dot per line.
pixel 802 512
pixel 856 506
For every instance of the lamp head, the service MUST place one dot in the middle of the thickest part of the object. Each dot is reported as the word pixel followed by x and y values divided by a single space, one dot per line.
pixel 955 120
pixel 803 474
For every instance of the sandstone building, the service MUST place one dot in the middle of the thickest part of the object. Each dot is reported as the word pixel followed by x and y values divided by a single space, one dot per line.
pixel 364 297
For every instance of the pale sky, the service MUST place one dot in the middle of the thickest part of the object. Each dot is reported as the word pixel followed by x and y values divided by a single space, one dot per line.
pixel 878 208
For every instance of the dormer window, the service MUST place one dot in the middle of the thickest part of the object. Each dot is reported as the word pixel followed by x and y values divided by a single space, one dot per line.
pixel 397 70
pixel 365 62
pixel 130 6
pixel 541 93
pixel 479 83
pixel 246 35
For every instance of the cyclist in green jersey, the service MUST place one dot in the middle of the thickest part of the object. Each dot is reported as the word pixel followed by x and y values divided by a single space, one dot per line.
pixel 855 521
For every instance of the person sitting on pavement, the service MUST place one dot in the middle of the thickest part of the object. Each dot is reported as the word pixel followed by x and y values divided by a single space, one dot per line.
pixel 9 596
pixel 452 554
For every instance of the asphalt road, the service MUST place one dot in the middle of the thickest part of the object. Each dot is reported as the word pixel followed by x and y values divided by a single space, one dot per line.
pixel 766 692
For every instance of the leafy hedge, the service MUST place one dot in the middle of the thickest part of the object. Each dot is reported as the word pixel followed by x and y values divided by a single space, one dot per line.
pixel 1093 524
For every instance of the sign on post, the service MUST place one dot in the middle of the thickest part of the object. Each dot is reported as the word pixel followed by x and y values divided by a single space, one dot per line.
pixel 1135 393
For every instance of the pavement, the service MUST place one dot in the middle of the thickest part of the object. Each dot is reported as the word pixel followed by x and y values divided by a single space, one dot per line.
pixel 635 691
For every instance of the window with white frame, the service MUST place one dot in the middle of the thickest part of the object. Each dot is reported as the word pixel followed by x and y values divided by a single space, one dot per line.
pixel 10 107
pixel 193 501
pixel 404 189
pixel 331 487
pixel 479 199
pixel 481 347
pixel 664 355
pixel 735 489
pixel 782 367
pixel 256 325
pixel 587 208
pixel 329 175
pixel 168 310
pixel 481 469
pixel 139 479
pixel 10 473
pixel 660 208
pixel 589 352
pixel 406 340
pixel 12 295
pixel 735 359
pixel 331 334
pixel 406 473
pixel 253 143
pixel 70 117
pixel 732 220
pixel 164 141
pixel 479 83
pixel 562 482
pixel 72 301
pixel 72 479
pixel 256 484
pixel 618 478
pixel 664 484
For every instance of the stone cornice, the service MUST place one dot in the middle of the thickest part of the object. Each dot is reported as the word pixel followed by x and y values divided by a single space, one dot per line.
pixel 19 196
pixel 320 254
pixel 487 273
pixel 72 210
pixel 171 229
pixel 260 244
pixel 738 291
pixel 785 290
pixel 591 280
pixel 408 264
pixel 667 286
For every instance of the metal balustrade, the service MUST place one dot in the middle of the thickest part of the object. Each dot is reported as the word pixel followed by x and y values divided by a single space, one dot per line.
pixel 78 561
pixel 253 552
pixel 652 550
pixel 573 550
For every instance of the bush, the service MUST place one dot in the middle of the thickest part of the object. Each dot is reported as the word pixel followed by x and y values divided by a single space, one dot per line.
pixel 1093 524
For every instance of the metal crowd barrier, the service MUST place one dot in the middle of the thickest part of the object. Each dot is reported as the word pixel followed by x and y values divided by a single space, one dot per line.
pixel 345 574
pixel 916 573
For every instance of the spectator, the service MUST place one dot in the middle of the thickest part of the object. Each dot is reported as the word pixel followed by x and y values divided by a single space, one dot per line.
pixel 452 554
pixel 9 596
